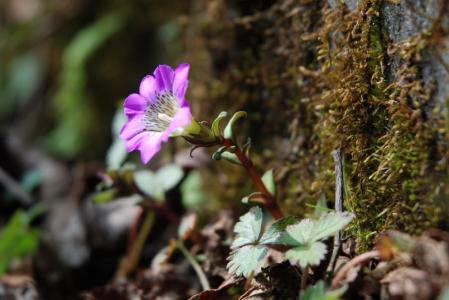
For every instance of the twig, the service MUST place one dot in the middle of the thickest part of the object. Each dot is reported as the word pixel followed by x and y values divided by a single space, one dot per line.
pixel 196 267
pixel 339 190
pixel 134 229
pixel 247 293
pixel 14 188
pixel 362 258
pixel 130 262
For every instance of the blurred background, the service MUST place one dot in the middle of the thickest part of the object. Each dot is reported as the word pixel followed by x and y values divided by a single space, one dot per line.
pixel 66 67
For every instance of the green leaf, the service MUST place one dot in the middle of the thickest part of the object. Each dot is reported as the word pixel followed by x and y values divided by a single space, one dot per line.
pixel 298 234
pixel 309 231
pixel 247 255
pixel 104 196
pixel 249 228
pixel 319 292
pixel 17 240
pixel 275 231
pixel 268 180
pixel 216 123
pixel 116 154
pixel 309 254
pixel 330 223
pixel 192 193
pixel 305 236
pixel 156 184
pixel 231 157
pixel 147 182
pixel 169 176
pixel 117 122
pixel 246 259
pixel 444 295
pixel 229 129
pixel 321 206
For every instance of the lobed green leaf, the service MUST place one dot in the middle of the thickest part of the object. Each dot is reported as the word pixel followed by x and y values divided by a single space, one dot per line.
pixel 308 231
pixel 330 223
pixel 246 259
pixel 309 254
pixel 248 229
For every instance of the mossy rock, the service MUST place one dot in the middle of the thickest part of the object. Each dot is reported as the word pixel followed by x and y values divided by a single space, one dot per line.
pixel 315 76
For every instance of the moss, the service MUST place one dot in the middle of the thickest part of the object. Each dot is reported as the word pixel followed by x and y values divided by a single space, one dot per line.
pixel 386 136
pixel 315 78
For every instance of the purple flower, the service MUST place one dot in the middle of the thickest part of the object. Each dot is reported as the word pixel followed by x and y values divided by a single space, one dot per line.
pixel 159 111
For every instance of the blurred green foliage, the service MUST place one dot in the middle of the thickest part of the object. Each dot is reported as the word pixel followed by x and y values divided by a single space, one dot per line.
pixel 76 124
pixel 117 153
pixel 104 196
pixel 192 192
pixel 320 292
pixel 32 179
pixel 18 82
pixel 155 185
pixel 17 238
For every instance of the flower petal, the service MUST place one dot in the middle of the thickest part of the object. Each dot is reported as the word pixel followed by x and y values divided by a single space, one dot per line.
pixel 150 145
pixel 132 127
pixel 181 81
pixel 148 88
pixel 164 77
pixel 182 118
pixel 134 142
pixel 135 104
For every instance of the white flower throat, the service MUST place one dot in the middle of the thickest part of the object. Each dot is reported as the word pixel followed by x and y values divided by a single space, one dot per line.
pixel 159 114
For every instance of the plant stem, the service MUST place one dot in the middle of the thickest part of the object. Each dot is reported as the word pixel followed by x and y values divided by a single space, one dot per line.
pixel 305 273
pixel 167 211
pixel 131 260
pixel 196 267
pixel 159 207
pixel 270 202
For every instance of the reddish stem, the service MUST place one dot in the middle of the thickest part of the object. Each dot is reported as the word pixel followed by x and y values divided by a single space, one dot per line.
pixel 161 207
pixel 167 211
pixel 270 202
